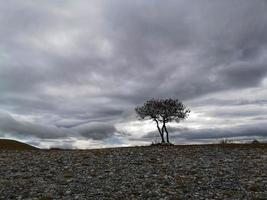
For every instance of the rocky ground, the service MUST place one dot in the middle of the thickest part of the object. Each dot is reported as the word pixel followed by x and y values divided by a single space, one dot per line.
pixel 173 172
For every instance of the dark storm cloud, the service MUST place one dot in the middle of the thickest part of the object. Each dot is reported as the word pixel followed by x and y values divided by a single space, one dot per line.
pixel 244 74
pixel 253 130
pixel 228 102
pixel 96 130
pixel 24 129
pixel 191 48
pixel 234 132
pixel 71 63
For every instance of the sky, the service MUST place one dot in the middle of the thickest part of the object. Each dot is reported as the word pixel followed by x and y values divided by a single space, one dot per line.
pixel 72 72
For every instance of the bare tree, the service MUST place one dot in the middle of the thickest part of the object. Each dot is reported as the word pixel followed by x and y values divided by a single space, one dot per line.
pixel 163 111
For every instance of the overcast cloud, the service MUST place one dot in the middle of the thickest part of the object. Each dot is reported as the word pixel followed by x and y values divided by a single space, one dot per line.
pixel 73 71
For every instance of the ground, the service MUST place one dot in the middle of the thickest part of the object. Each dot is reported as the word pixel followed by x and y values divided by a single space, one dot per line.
pixel 156 172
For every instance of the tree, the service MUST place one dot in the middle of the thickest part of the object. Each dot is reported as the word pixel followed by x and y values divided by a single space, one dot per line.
pixel 163 111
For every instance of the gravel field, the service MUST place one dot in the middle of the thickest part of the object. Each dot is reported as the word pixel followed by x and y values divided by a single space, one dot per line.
pixel 156 172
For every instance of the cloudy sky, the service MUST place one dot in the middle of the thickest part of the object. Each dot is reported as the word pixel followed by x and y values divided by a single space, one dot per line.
pixel 71 72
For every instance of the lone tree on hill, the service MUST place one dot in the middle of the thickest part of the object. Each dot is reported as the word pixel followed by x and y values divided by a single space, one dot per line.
pixel 163 111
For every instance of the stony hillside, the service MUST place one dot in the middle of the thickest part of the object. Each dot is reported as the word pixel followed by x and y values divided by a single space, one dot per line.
pixel 175 172
pixel 14 145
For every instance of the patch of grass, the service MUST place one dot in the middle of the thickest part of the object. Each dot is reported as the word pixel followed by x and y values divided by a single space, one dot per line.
pixel 5 182
pixel 254 188
pixel 68 174
pixel 46 198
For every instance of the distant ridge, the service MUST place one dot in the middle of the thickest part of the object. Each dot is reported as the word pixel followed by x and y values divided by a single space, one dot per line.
pixel 6 144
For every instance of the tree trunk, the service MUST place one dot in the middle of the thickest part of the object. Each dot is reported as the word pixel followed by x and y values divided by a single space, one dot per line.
pixel 160 132
pixel 167 133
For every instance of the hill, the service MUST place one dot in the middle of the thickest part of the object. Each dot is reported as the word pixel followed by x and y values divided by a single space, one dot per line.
pixel 6 144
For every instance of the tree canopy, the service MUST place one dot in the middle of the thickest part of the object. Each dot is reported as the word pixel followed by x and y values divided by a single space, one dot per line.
pixel 163 111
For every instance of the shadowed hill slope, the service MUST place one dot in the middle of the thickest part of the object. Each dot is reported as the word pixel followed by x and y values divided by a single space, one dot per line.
pixel 6 144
